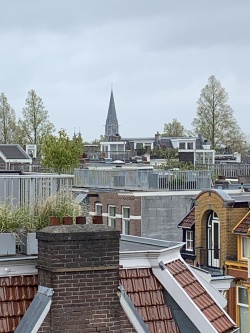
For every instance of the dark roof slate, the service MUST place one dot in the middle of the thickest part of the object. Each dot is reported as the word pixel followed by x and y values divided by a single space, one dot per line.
pixel 166 143
pixel 243 226
pixel 146 293
pixel 188 220
pixel 16 295
pixel 200 296
pixel 13 152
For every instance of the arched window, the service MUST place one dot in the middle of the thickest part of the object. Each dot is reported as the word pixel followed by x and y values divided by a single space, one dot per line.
pixel 213 240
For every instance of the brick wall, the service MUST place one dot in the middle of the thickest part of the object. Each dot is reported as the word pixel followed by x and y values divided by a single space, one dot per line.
pixel 156 216
pixel 231 306
pixel 81 264
pixel 112 198
pixel 228 217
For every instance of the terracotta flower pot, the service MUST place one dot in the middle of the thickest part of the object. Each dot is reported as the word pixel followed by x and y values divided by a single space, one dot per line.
pixel 54 220
pixel 67 220
pixel 81 220
pixel 97 219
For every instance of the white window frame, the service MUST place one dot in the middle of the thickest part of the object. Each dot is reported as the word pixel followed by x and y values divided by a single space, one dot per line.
pixel 125 221
pixel 112 218
pixel 182 145
pixel 244 239
pixel 189 240
pixel 242 305
pixel 98 204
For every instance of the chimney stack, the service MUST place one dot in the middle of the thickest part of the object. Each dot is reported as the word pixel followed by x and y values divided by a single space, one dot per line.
pixel 81 263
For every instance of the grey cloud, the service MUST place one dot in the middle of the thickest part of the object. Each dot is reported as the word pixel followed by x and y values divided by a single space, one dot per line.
pixel 158 55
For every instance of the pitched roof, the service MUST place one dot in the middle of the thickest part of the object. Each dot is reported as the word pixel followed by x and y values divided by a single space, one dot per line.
pixel 200 296
pixel 188 220
pixel 243 226
pixel 111 127
pixel 166 143
pixel 13 151
pixel 16 295
pixel 146 293
pixel 37 311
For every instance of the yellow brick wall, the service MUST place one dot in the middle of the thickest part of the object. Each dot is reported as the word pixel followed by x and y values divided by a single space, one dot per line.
pixel 228 217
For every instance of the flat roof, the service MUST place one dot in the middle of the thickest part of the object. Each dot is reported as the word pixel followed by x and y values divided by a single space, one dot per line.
pixel 142 244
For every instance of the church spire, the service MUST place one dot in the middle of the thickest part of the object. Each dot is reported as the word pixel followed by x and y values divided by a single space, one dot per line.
pixel 111 127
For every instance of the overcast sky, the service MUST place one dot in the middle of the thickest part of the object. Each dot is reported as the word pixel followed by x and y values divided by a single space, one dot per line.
pixel 158 54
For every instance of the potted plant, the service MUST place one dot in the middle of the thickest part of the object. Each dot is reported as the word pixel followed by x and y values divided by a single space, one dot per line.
pixel 61 208
pixel 28 223
pixel 8 230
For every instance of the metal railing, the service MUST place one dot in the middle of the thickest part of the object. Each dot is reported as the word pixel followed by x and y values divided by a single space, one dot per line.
pixel 146 179
pixel 29 188
pixel 229 170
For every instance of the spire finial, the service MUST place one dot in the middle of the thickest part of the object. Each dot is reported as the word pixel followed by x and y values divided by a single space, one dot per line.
pixel 112 87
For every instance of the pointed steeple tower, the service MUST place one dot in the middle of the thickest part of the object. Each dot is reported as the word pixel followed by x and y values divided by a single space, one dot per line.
pixel 111 127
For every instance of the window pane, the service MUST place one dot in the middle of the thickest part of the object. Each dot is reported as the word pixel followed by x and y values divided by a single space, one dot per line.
pixel 111 211
pixel 242 296
pixel 216 241
pixel 126 212
pixel 189 240
pixel 243 314
pixel 98 209
pixel 127 229
pixel 245 247
pixel 112 223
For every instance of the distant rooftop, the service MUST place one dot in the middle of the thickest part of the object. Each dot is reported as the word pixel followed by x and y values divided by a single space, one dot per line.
pixel 141 244
pixel 13 152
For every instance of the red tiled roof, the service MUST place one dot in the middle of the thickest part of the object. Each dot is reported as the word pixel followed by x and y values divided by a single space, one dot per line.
pixel 146 293
pixel 188 220
pixel 16 294
pixel 199 295
pixel 243 226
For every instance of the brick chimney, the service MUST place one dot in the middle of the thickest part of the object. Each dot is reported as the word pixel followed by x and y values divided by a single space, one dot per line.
pixel 81 264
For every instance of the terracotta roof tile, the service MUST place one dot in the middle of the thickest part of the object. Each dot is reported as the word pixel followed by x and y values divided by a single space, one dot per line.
pixel 188 220
pixel 146 293
pixel 16 294
pixel 200 296
pixel 243 226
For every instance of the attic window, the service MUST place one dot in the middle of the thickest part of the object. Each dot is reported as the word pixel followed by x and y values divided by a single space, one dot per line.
pixel 189 240
pixel 182 145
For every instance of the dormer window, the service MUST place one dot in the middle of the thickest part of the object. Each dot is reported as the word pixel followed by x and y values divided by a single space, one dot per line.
pixel 189 240
pixel 244 247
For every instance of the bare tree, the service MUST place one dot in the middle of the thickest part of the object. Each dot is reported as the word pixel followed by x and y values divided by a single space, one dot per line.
pixel 7 121
pixel 35 124
pixel 214 117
